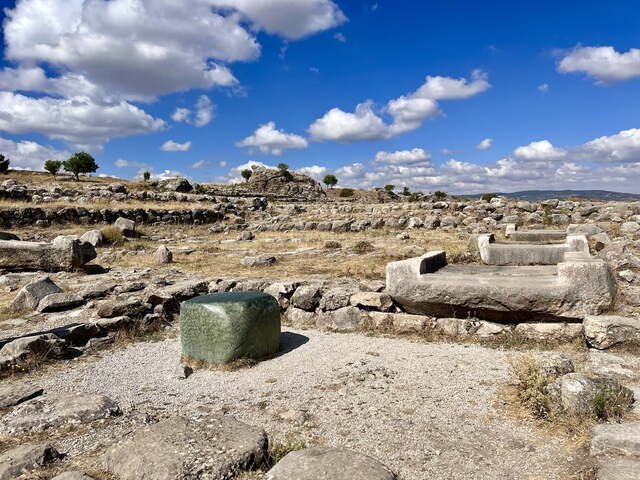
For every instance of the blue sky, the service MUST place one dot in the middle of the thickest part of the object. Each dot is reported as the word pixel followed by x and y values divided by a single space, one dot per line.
pixel 461 96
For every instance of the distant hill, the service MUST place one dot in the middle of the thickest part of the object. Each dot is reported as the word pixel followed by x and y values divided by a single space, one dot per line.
pixel 539 195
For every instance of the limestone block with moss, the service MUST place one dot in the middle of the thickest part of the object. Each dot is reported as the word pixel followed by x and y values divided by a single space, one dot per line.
pixel 220 328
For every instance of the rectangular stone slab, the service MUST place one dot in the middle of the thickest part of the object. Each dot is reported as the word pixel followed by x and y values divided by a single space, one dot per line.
pixel 220 328
pixel 493 253
pixel 510 294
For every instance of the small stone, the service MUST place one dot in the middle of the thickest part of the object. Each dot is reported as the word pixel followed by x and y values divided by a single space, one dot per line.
pixel 127 227
pixel 162 256
pixel 14 394
pixel 73 476
pixel 183 372
pixel 25 458
pixel 31 294
pixel 57 302
pixel 605 331
pixel 627 275
pixel 259 261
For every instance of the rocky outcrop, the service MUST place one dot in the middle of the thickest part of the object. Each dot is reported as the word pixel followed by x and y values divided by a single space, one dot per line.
pixel 267 181
pixel 183 448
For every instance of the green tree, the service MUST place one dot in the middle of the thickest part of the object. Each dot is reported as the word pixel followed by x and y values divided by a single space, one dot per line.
pixel 389 188
pixel 246 174
pixel 146 176
pixel 283 166
pixel 439 194
pixel 80 162
pixel 405 191
pixel 488 196
pixel 330 181
pixel 4 164
pixel 53 166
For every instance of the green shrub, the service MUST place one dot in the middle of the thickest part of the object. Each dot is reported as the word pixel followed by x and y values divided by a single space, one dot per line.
pixel 332 245
pixel 347 192
pixel 113 236
pixel 488 196
pixel 278 449
pixel 439 195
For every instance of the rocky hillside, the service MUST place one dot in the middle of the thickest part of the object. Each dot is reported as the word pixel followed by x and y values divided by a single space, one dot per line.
pixel 284 182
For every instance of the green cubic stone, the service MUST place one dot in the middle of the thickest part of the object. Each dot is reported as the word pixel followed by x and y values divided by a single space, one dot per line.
pixel 224 327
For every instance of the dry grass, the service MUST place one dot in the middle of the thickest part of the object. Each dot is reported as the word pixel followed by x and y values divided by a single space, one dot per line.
pixel 528 400
pixel 210 257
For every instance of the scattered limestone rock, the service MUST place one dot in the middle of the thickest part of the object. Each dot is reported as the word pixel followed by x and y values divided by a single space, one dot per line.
pixel 605 331
pixel 25 458
pixel 14 394
pixel 51 411
pixel 73 476
pixel 57 302
pixel 45 346
pixel 129 307
pixel 162 256
pixel 31 294
pixel 307 297
pixel 549 331
pixel 259 261
pixel 127 227
pixel 608 365
pixel 325 463
pixel 94 237
pixel 372 300
pixel 627 275
pixel 183 448
pixel 555 364
pixel 575 393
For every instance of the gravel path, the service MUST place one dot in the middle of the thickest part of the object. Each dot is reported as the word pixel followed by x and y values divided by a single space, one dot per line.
pixel 426 410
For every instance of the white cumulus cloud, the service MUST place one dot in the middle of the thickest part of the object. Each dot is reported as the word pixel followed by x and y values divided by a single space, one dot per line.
pixel 78 120
pixel 291 19
pixel 485 144
pixel 204 111
pixel 415 155
pixel 604 64
pixel 29 155
pixel 269 140
pixel 407 112
pixel 539 151
pixel 171 146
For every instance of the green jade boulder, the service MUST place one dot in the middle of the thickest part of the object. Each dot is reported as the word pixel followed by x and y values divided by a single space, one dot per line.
pixel 220 328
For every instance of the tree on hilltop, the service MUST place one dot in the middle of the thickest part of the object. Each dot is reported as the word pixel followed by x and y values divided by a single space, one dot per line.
pixel 246 174
pixel 80 162
pixel 283 167
pixel 53 167
pixel 389 188
pixel 330 181
pixel 4 164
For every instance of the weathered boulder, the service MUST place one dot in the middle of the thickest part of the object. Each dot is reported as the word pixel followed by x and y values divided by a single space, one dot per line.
pixel 94 237
pixel 31 294
pixel 53 411
pixel 162 256
pixel 18 255
pixel 25 458
pixel 544 332
pixel 214 447
pixel 616 439
pixel 259 261
pixel 372 301
pixel 605 331
pixel 44 346
pixel 181 185
pixel 555 364
pixel 127 227
pixel 326 463
pixel 576 393
pixel 629 227
pixel 13 394
pixel 56 302
pixel 73 476
pixel 223 327
pixel 307 297
pixel 86 251
pixel 347 319
pixel 130 307
pixel 284 182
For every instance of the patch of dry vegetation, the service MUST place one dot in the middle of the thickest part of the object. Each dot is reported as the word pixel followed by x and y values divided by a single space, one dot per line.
pixel 529 399
pixel 299 253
